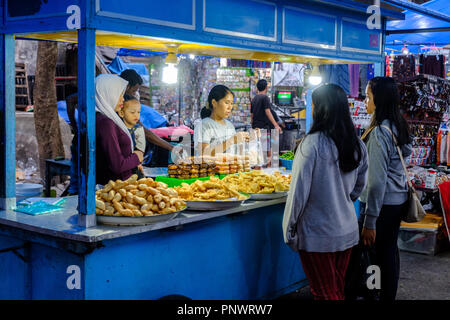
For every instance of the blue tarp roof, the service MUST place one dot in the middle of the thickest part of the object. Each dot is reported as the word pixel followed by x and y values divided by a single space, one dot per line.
pixel 415 20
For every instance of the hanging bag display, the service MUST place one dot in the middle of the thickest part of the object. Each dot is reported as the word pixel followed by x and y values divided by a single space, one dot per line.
pixel 415 211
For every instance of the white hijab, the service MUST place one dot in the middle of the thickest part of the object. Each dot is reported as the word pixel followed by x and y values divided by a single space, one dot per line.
pixel 108 89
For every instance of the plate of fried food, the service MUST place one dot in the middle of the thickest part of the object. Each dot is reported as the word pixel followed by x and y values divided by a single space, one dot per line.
pixel 136 202
pixel 259 184
pixel 210 195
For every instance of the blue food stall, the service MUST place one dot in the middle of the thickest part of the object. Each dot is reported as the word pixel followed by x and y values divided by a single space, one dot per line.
pixel 236 253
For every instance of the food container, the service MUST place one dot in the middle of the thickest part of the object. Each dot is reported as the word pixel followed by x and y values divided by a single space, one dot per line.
pixel 268 196
pixel 175 182
pixel 214 205
pixel 286 163
pixel 136 221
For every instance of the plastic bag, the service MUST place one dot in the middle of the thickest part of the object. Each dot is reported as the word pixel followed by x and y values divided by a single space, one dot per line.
pixel 356 277
pixel 39 207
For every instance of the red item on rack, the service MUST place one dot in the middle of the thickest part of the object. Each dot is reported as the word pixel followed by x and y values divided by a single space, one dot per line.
pixel 444 189
pixel 438 147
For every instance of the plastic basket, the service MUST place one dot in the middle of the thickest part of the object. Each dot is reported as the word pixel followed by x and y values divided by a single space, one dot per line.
pixel 286 163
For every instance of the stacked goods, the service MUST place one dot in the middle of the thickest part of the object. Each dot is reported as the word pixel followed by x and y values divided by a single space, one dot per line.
pixel 136 198
pixel 210 190
pixel 230 163
pixel 191 168
pixel 258 181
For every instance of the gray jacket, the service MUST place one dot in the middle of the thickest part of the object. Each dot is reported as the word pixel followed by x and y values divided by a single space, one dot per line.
pixel 386 183
pixel 319 215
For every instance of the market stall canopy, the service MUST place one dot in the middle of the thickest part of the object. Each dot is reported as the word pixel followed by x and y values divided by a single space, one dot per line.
pixel 415 21
pixel 104 38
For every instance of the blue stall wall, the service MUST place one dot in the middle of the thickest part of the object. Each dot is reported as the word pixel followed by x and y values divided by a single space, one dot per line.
pixel 274 26
pixel 14 272
pixel 155 11
pixel 42 276
pixel 49 273
pixel 322 28
pixel 356 38
pixel 36 8
pixel 238 18
pixel 241 257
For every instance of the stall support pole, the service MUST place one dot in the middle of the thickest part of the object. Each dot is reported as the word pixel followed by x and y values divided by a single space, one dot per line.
pixel 7 123
pixel 309 117
pixel 86 127
pixel 378 70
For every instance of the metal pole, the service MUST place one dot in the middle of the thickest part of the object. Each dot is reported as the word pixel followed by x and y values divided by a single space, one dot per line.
pixel 403 31
pixel 7 123
pixel 86 127
pixel 179 101
pixel 419 9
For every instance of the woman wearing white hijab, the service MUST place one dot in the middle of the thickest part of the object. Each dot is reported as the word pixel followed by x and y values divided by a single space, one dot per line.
pixel 115 155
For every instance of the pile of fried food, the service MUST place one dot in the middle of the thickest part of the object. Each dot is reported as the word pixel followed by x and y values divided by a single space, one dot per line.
pixel 204 166
pixel 210 190
pixel 227 163
pixel 258 181
pixel 192 168
pixel 136 198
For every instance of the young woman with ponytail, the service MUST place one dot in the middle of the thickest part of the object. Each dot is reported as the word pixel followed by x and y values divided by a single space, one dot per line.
pixel 215 134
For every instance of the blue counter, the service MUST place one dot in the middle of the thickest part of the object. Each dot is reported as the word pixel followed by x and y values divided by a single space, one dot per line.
pixel 231 254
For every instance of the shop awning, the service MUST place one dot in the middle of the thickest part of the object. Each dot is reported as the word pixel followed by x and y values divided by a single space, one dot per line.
pixel 414 22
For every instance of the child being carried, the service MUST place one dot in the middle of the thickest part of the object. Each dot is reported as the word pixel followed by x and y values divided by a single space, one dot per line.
pixel 130 114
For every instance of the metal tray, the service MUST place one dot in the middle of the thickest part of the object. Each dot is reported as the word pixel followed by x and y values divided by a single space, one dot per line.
pixel 136 221
pixel 214 205
pixel 268 196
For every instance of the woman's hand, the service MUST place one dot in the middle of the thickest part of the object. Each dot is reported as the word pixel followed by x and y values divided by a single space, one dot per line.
pixel 241 137
pixel 368 236
pixel 140 155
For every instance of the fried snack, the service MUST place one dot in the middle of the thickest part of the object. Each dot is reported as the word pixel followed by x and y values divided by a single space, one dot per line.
pixel 210 190
pixel 137 198
pixel 130 206
pixel 258 182
pixel 99 204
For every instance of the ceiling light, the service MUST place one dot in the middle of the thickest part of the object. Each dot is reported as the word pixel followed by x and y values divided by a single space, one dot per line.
pixel 170 74
pixel 315 78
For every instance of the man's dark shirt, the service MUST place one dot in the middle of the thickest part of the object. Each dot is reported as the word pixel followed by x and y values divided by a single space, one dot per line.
pixel 259 104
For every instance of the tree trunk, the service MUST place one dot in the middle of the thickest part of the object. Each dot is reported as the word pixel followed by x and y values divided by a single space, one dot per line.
pixel 46 118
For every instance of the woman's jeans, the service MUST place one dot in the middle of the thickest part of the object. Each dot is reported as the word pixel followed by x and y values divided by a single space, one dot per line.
pixel 387 228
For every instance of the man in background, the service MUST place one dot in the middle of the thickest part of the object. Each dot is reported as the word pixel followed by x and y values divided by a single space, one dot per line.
pixel 262 116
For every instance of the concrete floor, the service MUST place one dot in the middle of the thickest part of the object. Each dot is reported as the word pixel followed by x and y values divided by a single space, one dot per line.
pixel 422 277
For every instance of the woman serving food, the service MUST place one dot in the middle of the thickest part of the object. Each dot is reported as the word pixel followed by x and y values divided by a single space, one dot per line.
pixel 215 134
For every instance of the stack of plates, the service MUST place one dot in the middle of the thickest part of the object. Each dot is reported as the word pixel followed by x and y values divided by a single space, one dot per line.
pixel 28 190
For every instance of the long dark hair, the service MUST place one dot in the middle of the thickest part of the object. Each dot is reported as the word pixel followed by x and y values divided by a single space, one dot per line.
pixel 217 93
pixel 387 100
pixel 331 117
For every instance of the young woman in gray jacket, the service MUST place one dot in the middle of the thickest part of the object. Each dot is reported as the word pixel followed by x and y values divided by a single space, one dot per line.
pixel 329 173
pixel 384 200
